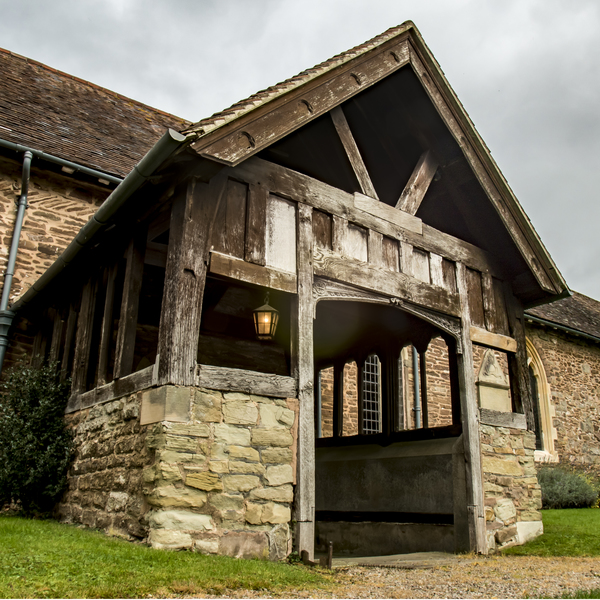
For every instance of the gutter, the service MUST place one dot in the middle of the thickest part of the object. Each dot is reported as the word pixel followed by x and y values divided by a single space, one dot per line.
pixel 575 332
pixel 61 161
pixel 164 147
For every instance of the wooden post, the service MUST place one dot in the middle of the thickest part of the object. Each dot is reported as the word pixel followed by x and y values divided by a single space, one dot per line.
pixel 69 335
pixel 338 399
pixel 107 325
pixel 57 330
pixel 305 489
pixel 423 378
pixel 192 219
pixel 470 424
pixel 132 286
pixel 84 336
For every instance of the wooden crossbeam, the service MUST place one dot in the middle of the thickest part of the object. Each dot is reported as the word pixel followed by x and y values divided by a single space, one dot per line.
pixel 418 184
pixel 347 139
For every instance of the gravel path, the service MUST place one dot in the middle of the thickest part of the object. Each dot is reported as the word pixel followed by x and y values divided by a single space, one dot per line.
pixel 484 577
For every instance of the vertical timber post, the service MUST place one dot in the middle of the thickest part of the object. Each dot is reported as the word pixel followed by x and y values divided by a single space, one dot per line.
pixel 305 490
pixel 192 219
pixel 470 424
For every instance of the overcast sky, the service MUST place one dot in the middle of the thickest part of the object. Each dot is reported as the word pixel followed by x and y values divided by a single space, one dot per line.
pixel 527 72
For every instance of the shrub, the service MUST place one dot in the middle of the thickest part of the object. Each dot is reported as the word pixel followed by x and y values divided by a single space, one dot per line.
pixel 35 446
pixel 565 489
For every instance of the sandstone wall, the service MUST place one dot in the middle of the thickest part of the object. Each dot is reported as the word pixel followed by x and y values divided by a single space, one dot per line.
pixel 573 371
pixel 105 485
pixel 216 476
pixel 58 208
pixel 513 498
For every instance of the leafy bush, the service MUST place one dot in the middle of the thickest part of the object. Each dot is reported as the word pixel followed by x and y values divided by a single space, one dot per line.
pixel 565 489
pixel 35 446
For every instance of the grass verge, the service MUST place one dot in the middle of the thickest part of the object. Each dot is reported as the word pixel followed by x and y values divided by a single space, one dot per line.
pixel 46 559
pixel 567 532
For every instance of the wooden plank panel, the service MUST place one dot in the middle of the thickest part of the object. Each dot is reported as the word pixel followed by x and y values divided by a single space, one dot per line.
pixel 475 297
pixel 65 363
pixel 230 221
pixel 338 233
pixel 250 273
pixel 391 253
pixel 418 184
pixel 355 244
pixel 492 340
pixel 256 224
pixel 57 337
pixel 340 204
pixel 281 234
pixel 400 285
pixel 247 382
pixel 248 136
pixel 420 265
pixel 449 269
pixel 375 248
pixel 130 304
pixel 322 230
pixel 501 314
pixel 406 251
pixel 192 222
pixel 390 214
pixel 352 152
pixel 436 270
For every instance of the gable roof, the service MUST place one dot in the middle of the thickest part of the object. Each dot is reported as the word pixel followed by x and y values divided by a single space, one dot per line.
pixel 73 119
pixel 578 313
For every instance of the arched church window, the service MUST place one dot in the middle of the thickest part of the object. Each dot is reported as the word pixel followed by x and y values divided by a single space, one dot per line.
pixel 542 407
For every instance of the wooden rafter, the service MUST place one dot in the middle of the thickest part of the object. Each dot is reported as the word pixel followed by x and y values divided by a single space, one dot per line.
pixel 418 184
pixel 358 165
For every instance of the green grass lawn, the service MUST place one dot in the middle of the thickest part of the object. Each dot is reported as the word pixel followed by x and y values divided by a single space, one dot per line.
pixel 567 532
pixel 46 559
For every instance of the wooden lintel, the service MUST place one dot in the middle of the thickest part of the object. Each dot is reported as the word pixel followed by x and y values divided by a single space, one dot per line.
pixel 394 285
pixel 235 268
pixel 247 382
pixel 418 184
pixel 361 210
pixel 493 340
pixel 392 215
pixel 356 160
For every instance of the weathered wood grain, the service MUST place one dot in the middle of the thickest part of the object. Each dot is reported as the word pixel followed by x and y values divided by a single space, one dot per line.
pixel 338 234
pixel 492 340
pixel 392 215
pixel 130 304
pixel 356 243
pixel 262 127
pixel 281 234
pixel 420 265
pixel 436 270
pixel 247 382
pixel 322 229
pixel 192 222
pixel 470 424
pixel 305 489
pixel 230 222
pixel 375 248
pixel 256 224
pixel 57 336
pixel 391 253
pixel 364 276
pixel 323 197
pixel 107 325
pixel 406 265
pixel 418 184
pixel 502 419
pixel 84 336
pixel 251 273
pixel 352 152
pixel 475 296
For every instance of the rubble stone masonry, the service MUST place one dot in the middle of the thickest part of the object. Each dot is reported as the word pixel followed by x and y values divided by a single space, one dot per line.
pixel 513 498
pixel 216 478
pixel 572 368
pixel 57 209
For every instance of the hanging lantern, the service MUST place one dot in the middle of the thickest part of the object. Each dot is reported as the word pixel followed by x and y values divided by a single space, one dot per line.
pixel 265 320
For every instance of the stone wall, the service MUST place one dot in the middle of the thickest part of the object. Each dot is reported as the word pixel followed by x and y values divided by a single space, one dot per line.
pixel 105 484
pixel 572 368
pixel 58 208
pixel 513 498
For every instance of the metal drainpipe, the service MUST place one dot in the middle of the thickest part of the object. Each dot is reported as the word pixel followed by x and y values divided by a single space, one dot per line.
pixel 7 316
pixel 416 379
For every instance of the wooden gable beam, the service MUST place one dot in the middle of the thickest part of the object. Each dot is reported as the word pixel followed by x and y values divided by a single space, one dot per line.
pixel 356 161
pixel 418 184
